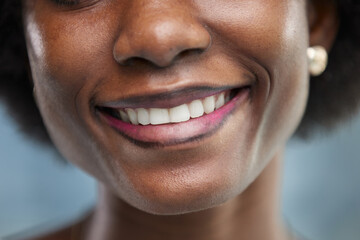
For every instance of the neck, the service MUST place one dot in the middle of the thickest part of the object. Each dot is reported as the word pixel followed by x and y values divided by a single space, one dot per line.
pixel 254 214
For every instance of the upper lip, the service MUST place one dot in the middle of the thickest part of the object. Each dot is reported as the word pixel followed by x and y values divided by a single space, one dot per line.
pixel 168 99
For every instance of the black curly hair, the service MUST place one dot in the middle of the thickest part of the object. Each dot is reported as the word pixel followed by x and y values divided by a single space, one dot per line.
pixel 334 96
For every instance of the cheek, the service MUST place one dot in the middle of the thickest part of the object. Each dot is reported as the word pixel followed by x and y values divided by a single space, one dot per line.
pixel 274 35
pixel 61 56
pixel 289 78
pixel 70 48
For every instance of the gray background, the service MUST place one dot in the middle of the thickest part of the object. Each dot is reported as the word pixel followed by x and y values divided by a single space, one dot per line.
pixel 321 192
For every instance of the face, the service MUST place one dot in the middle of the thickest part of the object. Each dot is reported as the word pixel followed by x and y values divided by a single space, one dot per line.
pixel 217 86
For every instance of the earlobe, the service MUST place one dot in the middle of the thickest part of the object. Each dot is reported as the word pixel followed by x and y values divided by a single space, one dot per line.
pixel 323 23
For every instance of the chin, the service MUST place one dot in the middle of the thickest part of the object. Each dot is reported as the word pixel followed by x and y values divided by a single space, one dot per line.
pixel 184 190
pixel 183 201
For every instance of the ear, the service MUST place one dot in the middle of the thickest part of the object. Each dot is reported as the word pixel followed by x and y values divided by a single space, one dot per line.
pixel 323 22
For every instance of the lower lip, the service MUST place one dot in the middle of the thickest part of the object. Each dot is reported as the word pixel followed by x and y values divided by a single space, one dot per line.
pixel 177 133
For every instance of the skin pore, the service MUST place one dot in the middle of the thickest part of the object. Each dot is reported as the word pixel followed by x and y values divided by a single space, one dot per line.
pixel 220 185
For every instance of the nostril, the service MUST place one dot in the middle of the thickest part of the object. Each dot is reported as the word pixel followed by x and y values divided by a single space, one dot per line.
pixel 134 61
pixel 186 54
pixel 190 52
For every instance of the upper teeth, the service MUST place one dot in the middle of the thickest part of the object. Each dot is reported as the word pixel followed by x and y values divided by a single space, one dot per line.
pixel 181 113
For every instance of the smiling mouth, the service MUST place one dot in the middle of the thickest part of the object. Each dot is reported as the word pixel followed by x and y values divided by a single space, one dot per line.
pixel 168 121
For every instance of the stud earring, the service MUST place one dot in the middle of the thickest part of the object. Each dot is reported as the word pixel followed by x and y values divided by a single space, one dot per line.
pixel 318 59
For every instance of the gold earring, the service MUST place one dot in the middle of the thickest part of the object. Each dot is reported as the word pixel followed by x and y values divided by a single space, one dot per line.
pixel 318 59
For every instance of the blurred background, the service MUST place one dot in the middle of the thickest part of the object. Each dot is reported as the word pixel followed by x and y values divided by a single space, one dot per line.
pixel 321 186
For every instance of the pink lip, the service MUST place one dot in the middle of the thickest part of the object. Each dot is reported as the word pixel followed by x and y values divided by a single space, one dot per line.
pixel 177 133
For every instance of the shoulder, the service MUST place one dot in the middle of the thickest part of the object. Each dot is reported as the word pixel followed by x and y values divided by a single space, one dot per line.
pixel 63 234
pixel 71 231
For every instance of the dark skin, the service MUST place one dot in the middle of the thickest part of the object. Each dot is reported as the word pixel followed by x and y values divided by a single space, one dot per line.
pixel 222 186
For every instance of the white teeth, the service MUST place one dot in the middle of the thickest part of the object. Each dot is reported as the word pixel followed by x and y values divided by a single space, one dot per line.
pixel 220 101
pixel 159 116
pixel 179 114
pixel 196 109
pixel 132 116
pixel 182 113
pixel 124 116
pixel 209 104
pixel 143 116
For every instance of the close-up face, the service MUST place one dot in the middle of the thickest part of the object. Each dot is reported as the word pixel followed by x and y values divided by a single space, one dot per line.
pixel 176 106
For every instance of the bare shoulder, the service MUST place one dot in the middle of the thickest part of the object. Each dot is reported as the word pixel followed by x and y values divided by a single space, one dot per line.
pixel 71 231
pixel 62 234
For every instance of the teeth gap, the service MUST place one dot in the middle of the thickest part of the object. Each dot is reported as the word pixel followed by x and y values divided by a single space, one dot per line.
pixel 234 92
pixel 110 111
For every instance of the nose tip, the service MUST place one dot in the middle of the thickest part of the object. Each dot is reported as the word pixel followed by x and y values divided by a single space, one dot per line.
pixel 161 40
